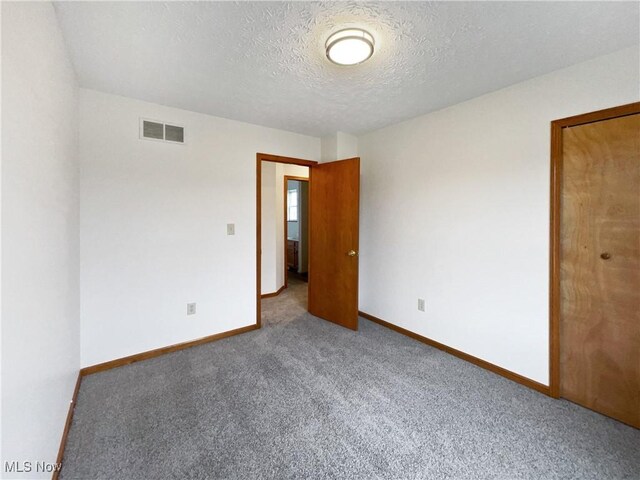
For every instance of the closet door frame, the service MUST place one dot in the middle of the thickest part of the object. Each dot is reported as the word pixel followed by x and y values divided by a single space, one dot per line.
pixel 557 129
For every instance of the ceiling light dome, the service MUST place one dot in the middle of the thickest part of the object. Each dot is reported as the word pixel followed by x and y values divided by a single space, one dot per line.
pixel 349 46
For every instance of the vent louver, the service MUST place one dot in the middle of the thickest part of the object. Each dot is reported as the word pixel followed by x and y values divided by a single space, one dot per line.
pixel 160 131
pixel 173 133
pixel 153 130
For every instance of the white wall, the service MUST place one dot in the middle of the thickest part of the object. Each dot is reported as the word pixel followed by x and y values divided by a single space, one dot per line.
pixel 329 148
pixel 269 282
pixel 455 209
pixel 279 221
pixel 346 146
pixel 40 259
pixel 292 171
pixel 338 146
pixel 303 227
pixel 272 195
pixel 1 115
pixel 153 225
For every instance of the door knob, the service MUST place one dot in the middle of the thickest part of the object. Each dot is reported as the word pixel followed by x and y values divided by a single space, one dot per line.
pixel 352 253
pixel 605 256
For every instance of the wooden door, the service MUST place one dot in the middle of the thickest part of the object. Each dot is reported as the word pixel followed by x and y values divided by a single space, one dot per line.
pixel 333 241
pixel 600 267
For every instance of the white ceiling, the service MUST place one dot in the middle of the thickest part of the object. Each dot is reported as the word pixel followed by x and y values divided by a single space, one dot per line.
pixel 264 62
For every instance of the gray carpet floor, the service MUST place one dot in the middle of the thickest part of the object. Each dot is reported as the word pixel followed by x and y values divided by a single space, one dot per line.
pixel 303 398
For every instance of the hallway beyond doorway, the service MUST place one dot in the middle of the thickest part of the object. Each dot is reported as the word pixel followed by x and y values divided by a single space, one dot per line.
pixel 288 305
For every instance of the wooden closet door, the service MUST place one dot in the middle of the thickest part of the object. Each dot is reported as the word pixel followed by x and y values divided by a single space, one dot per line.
pixel 600 267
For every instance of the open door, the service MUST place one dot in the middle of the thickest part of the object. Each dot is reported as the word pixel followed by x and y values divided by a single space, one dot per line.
pixel 333 244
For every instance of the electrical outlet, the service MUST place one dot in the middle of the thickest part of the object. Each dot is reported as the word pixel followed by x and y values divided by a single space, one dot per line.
pixel 191 308
pixel 231 228
pixel 421 304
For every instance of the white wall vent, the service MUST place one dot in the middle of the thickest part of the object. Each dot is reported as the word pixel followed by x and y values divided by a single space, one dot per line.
pixel 160 131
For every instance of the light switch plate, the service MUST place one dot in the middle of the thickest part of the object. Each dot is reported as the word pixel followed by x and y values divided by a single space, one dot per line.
pixel 231 228
pixel 191 308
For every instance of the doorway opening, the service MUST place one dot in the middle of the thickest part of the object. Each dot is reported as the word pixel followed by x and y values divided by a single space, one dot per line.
pixel 296 229
pixel 332 232
pixel 282 232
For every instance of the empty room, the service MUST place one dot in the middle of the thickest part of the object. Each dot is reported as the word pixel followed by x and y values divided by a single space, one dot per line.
pixel 320 240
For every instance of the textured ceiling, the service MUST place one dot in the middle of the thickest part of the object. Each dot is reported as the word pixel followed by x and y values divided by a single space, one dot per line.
pixel 264 62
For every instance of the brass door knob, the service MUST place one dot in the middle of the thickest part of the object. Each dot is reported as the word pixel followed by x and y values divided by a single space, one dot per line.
pixel 605 256
pixel 352 253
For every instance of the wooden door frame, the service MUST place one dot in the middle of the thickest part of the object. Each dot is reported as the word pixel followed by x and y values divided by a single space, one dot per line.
pixel 265 157
pixel 557 128
pixel 286 179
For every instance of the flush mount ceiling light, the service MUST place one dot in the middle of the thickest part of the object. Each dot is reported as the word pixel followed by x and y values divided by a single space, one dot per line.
pixel 349 46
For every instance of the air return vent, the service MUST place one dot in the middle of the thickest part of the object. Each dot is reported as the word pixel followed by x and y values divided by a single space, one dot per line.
pixel 160 131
